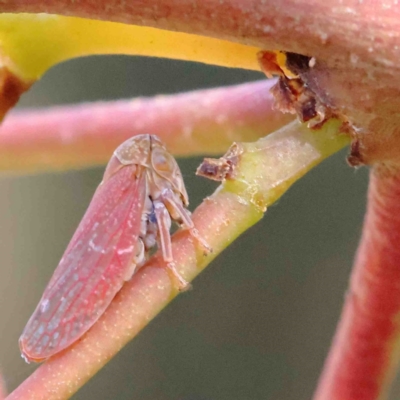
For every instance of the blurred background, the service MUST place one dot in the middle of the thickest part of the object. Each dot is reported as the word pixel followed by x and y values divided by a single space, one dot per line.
pixel 261 317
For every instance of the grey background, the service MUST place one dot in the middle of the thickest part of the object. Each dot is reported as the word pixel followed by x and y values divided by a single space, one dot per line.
pixel 260 319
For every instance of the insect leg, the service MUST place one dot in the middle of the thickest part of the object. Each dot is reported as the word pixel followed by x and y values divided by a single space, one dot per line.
pixel 164 225
pixel 138 260
pixel 168 197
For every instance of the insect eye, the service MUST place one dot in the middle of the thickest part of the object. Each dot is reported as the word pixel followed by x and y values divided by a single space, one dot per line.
pixel 162 161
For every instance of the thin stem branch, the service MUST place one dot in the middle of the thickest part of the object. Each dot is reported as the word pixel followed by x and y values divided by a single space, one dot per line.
pixel 365 352
pixel 263 171
pixel 86 135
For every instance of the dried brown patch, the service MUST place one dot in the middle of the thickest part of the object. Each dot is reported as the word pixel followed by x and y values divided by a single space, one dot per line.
pixel 292 95
pixel 355 158
pixel 219 169
pixel 297 63
pixel 11 88
pixel 269 63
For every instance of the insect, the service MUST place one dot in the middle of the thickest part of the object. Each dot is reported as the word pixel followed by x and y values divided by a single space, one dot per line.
pixel 142 191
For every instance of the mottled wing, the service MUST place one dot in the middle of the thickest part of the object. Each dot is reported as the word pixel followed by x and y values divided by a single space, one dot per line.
pixel 93 269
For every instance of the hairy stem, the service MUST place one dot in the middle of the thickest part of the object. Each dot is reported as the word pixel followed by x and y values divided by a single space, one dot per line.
pixel 86 135
pixel 365 351
pixel 263 171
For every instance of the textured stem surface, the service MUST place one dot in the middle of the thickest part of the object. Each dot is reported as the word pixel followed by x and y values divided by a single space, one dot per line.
pixel 365 352
pixel 355 76
pixel 200 122
pixel 264 170
pixel 283 24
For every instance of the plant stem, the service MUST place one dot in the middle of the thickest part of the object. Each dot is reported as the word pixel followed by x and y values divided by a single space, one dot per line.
pixel 86 135
pixel 2 388
pixel 355 75
pixel 263 171
pixel 317 27
pixel 365 352
pixel 31 44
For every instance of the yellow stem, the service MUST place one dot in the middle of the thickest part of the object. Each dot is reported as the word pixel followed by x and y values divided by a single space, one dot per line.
pixel 32 43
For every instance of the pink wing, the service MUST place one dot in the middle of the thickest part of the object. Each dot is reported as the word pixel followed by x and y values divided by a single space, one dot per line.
pixel 93 268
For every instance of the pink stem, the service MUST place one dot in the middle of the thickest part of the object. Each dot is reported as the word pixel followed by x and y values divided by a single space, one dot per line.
pixel 365 352
pixel 354 74
pixel 325 28
pixel 219 219
pixel 204 121
pixel 3 392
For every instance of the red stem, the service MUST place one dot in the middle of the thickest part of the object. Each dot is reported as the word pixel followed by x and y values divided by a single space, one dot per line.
pixel 364 354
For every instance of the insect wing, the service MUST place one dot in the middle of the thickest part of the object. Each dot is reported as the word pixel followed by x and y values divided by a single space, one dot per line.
pixel 93 268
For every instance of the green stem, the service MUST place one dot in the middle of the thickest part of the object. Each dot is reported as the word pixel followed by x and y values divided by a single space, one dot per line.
pixel 261 173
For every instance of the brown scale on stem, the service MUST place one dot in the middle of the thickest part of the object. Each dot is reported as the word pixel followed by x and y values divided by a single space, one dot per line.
pixel 355 158
pixel 11 89
pixel 219 169
pixel 293 95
